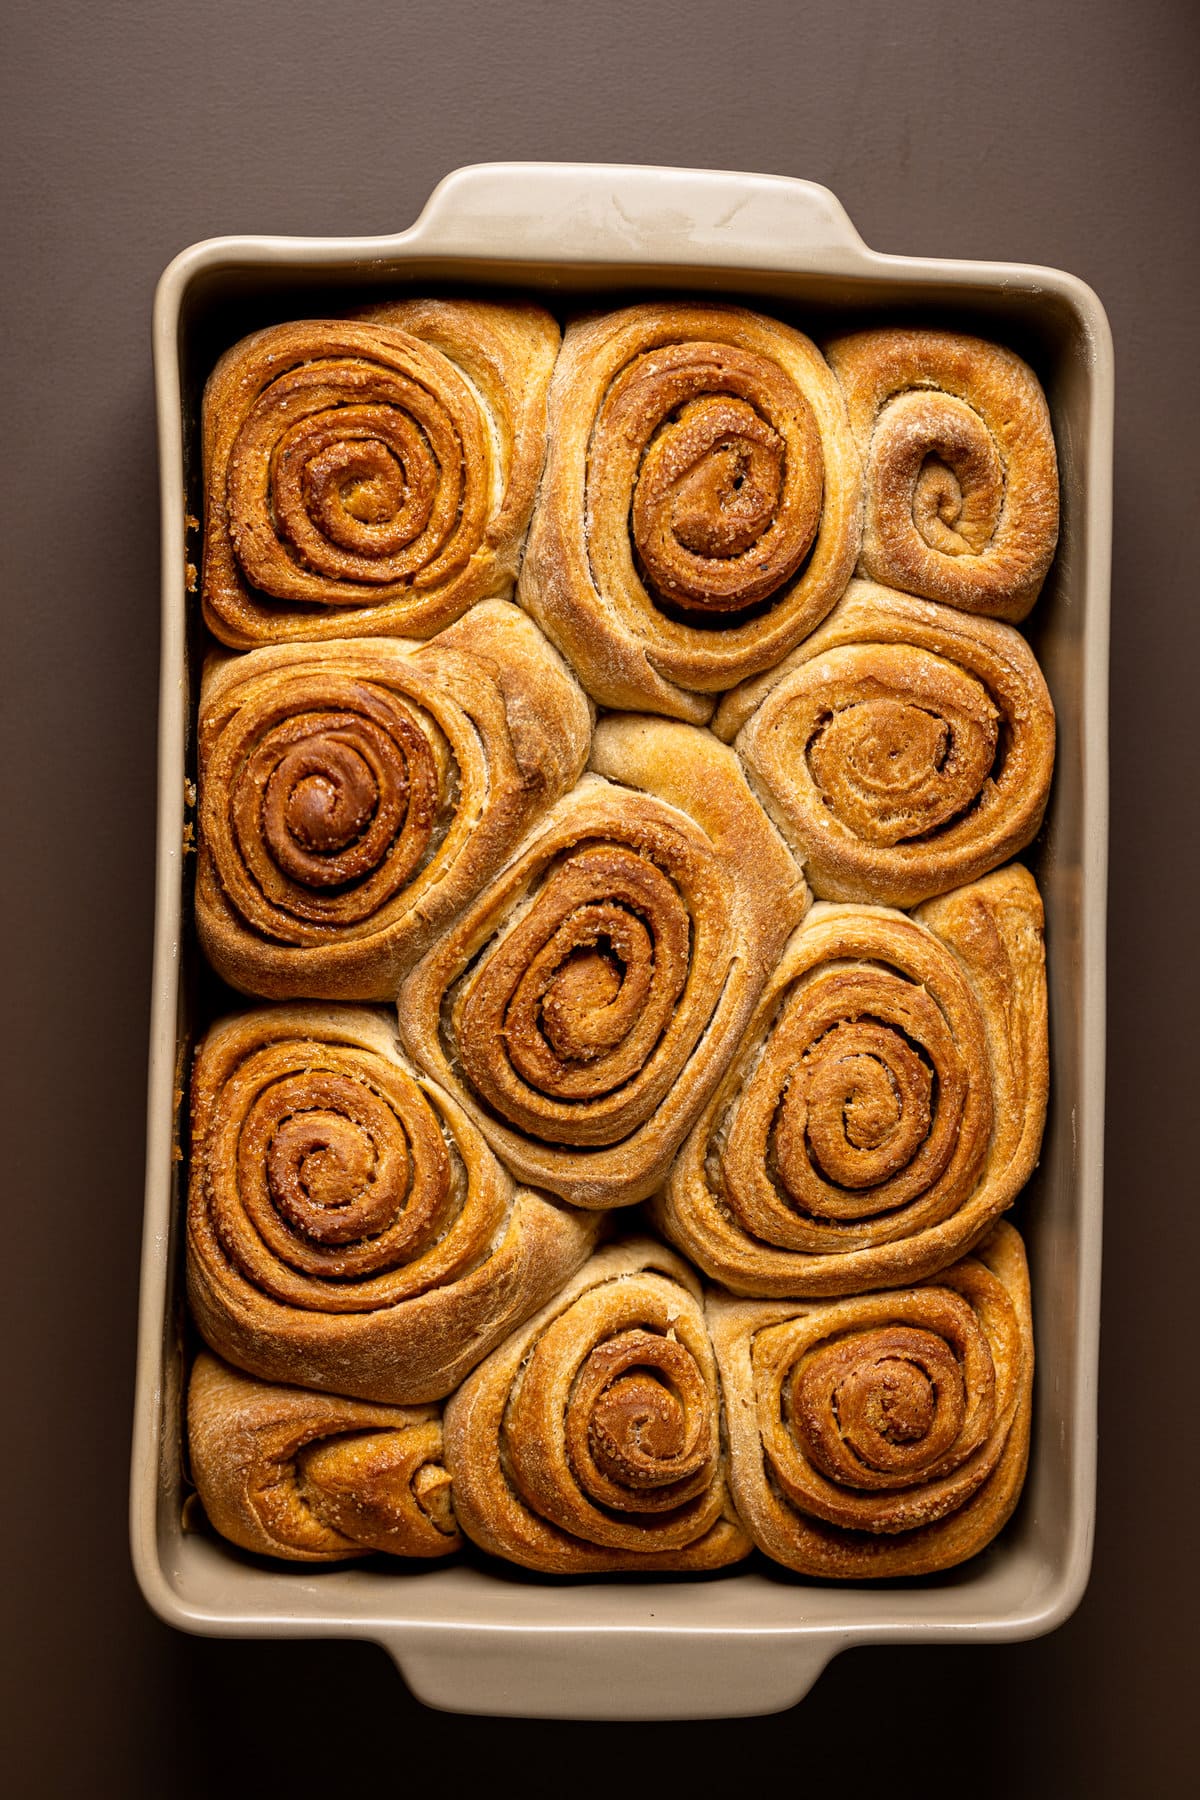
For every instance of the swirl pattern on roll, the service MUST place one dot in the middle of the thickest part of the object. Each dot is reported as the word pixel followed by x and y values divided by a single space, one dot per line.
pixel 354 796
pixel 959 466
pixel 903 749
pixel 592 1441
pixel 374 474
pixel 884 1434
pixel 584 1007
pixel 348 1228
pixel 314 1477
pixel 886 1103
pixel 701 506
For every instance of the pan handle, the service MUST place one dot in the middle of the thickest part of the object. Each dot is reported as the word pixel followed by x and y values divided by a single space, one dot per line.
pixel 629 214
pixel 626 1674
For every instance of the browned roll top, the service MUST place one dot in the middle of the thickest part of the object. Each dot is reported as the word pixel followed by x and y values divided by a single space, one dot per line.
pixel 591 1440
pixel 348 1229
pixel 700 509
pixel 903 748
pixel 336 1169
pixel 351 470
pixel 354 796
pixel 329 1180
pixel 960 471
pixel 314 1477
pixel 893 1405
pixel 584 1007
pixel 885 1104
pixel 329 801
pixel 884 1434
pixel 578 997
pixel 722 455
pixel 842 1110
pixel 371 474
pixel 638 1431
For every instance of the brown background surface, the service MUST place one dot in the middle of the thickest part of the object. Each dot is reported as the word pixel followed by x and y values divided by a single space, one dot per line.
pixel 1049 133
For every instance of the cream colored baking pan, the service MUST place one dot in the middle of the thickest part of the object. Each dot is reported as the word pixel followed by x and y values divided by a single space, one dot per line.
pixel 752 1640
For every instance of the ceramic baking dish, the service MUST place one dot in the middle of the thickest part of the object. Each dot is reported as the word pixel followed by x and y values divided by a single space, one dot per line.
pixel 752 1640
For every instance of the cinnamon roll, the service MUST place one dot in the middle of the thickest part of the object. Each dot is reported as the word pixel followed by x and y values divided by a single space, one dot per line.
pixel 583 1009
pixel 372 474
pixel 885 1434
pixel 313 1477
pixel 960 471
pixel 354 796
pixel 701 506
pixel 591 1441
pixel 348 1228
pixel 903 749
pixel 886 1102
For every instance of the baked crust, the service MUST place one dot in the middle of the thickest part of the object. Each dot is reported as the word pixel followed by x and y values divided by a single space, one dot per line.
pixel 884 1434
pixel 582 1010
pixel 903 749
pixel 959 467
pixel 348 1228
pixel 700 510
pixel 372 475
pixel 591 1441
pixel 886 1102
pixel 315 1477
pixel 601 942
pixel 355 795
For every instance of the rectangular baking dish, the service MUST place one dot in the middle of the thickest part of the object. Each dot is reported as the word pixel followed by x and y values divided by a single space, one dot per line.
pixel 746 1642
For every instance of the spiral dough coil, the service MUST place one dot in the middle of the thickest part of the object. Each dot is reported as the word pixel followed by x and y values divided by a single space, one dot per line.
pixel 884 1434
pixel 582 1010
pixel 372 475
pixel 903 749
pixel 348 1228
pixel 591 1441
pixel 959 467
pixel 700 510
pixel 314 1477
pixel 885 1105
pixel 354 796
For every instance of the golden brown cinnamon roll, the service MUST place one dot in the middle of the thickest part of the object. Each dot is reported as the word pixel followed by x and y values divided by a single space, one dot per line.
pixel 348 1228
pixel 885 1434
pixel 701 506
pixel 583 1009
pixel 886 1102
pixel 354 796
pixel 903 749
pixel 591 1440
pixel 960 472
pixel 374 474
pixel 314 1477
